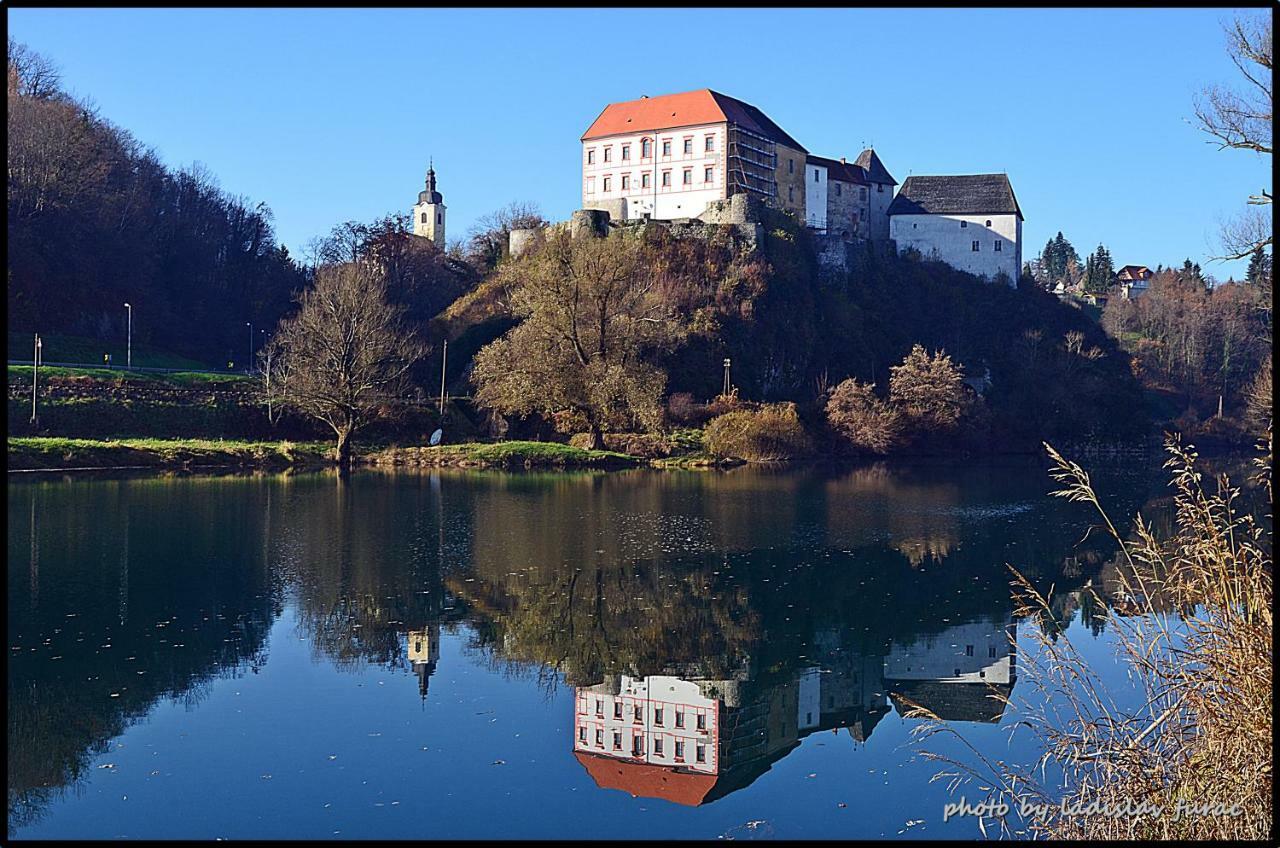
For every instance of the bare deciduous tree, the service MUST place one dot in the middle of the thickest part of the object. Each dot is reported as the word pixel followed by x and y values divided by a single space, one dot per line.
pixel 345 354
pixel 487 241
pixel 1241 120
pixel 32 75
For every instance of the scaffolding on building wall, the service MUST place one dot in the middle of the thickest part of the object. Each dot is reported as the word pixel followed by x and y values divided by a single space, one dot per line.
pixel 751 163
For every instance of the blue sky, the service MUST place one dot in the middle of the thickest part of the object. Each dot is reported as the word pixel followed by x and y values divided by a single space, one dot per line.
pixel 330 115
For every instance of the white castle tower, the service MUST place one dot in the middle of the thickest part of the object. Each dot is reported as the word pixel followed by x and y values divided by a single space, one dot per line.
pixel 428 213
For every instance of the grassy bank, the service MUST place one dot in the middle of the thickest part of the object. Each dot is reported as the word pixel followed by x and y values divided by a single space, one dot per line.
pixel 55 453
pixel 514 454
pixel 21 375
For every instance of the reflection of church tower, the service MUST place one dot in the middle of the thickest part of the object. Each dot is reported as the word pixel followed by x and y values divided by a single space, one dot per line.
pixel 424 650
pixel 428 214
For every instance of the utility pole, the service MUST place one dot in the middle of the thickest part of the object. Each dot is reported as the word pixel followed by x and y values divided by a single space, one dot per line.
pixel 129 353
pixel 35 376
pixel 248 363
pixel 444 360
pixel 726 377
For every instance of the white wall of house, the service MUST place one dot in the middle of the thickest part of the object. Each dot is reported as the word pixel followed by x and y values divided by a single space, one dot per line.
pixel 607 176
pixel 815 197
pixel 645 710
pixel 951 239
pixel 975 652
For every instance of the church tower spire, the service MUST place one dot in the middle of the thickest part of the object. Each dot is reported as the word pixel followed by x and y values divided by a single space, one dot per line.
pixel 428 213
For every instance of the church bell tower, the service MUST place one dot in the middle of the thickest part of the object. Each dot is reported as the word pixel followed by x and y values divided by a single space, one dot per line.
pixel 428 213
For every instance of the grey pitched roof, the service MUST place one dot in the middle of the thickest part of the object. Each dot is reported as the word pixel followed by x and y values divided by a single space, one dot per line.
pixel 875 170
pixel 968 194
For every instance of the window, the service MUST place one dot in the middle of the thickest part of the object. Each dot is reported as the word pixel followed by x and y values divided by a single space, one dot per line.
pixel 607 182
pixel 644 180
pixel 702 721
pixel 839 193
pixel 617 737
pixel 815 175
pixel 599 738
pixel 998 246
pixel 637 746
pixel 791 192
pixel 591 156
pixel 791 166
pixel 975 247
pixel 637 713
pixel 626 152
pixel 657 716
pixel 424 220
pixel 582 734
pixel 666 147
pixel 626 181
pixel 988 223
pixel 957 674
pixel 688 145
pixel 688 176
pixel 880 188
pixel 708 174
pixel 710 144
pixel 700 753
pixel 646 148
pixel 991 650
pixel 968 650
pixel 679 720
pixel 439 217
pixel 964 224
pixel 608 154
pixel 599 707
pixel 679 748
pixel 617 709
pixel 657 746
pixel 666 178
pixel 862 193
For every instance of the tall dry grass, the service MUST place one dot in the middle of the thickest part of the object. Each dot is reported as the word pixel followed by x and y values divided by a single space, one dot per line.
pixel 1192 619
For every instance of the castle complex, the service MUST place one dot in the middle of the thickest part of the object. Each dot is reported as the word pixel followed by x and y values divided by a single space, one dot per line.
pixel 677 155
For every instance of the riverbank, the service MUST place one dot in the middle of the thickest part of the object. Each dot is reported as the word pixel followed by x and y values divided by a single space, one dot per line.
pixel 56 454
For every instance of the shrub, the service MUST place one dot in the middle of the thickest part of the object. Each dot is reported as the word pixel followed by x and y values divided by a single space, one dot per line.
pixel 682 409
pixel 865 421
pixel 929 389
pixel 770 433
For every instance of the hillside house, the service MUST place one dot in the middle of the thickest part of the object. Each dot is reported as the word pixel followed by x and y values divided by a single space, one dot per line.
pixel 1133 280
pixel 972 222
pixel 668 157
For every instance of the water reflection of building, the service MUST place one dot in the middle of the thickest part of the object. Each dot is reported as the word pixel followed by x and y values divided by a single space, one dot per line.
pixel 956 673
pixel 692 741
pixel 424 652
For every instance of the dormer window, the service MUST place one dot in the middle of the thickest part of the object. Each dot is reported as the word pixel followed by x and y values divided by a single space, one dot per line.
pixel 964 224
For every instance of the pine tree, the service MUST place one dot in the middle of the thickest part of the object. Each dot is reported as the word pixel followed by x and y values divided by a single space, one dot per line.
pixel 1259 268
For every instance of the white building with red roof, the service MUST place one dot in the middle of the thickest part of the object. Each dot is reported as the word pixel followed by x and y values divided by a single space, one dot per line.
pixel 670 156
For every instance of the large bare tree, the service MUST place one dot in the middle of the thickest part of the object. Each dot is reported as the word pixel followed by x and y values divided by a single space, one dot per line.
pixel 346 352
pixel 1240 119
pixel 592 318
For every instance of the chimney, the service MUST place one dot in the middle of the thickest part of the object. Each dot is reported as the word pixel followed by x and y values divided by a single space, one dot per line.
pixel 842 162
pixel 644 97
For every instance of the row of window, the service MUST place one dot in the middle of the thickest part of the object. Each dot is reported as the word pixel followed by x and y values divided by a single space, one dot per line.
pixel 991 650
pixel 646 149
pixel 964 224
pixel 646 181
pixel 637 745
pixel 658 714
pixel 977 245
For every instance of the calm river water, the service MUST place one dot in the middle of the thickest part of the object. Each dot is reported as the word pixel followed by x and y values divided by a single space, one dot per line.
pixel 482 654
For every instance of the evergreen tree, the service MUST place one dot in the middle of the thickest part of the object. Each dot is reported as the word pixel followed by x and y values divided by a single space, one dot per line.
pixel 1259 268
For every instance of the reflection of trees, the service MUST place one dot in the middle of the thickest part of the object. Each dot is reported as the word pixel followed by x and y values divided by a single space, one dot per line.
pixel 152 603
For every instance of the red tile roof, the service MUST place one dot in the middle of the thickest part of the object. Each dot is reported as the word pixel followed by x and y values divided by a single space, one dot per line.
pixel 689 108
pixel 1134 272
pixel 648 781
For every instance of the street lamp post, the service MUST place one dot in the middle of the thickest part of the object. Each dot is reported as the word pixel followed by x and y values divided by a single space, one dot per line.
pixel 444 360
pixel 35 375
pixel 248 366
pixel 726 376
pixel 128 363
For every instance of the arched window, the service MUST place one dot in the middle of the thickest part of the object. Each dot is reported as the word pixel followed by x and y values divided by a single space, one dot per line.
pixel 646 148
pixel 424 217
pixel 439 217
pixel 988 223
